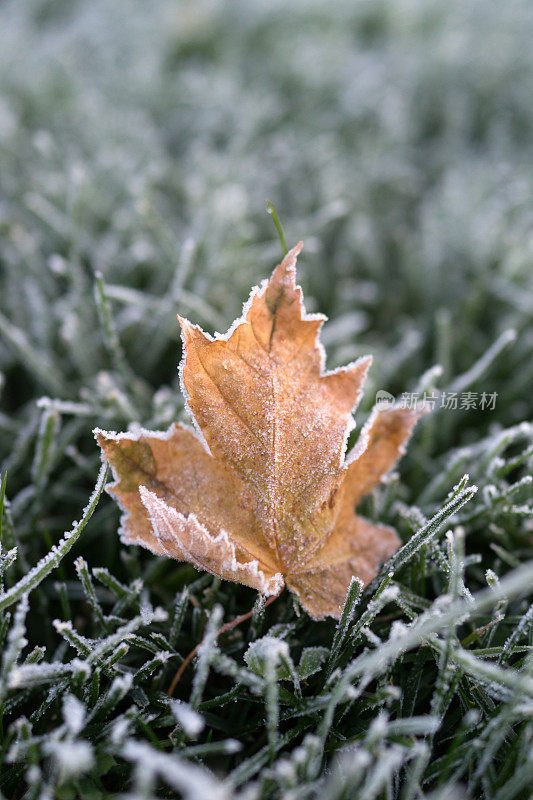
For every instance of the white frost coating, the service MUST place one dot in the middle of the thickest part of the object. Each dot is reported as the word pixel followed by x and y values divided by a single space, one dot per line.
pixel 120 731
pixel 268 648
pixel 198 546
pixel 389 594
pixel 33 775
pixel 81 668
pixel 372 637
pixel 379 726
pixel 232 746
pixel 34 674
pixel 123 633
pixel 72 758
pixel 350 425
pixel 363 440
pixel 397 629
pixel 194 782
pixel 190 720
pixel 134 435
pixel 361 444
pixel 121 684
pixel 74 713
pixel 352 760
pixel 136 432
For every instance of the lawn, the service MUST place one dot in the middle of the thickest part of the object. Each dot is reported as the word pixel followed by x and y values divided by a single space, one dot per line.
pixel 139 144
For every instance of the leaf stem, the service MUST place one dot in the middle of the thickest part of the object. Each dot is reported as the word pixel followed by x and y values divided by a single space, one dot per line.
pixel 228 626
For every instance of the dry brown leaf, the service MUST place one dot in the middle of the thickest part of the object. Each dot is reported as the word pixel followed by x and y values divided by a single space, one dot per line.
pixel 262 493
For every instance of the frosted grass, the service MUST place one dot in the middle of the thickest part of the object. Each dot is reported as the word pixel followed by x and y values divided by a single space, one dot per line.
pixel 52 560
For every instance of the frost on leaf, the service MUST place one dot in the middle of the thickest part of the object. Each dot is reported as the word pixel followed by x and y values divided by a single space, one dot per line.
pixel 263 493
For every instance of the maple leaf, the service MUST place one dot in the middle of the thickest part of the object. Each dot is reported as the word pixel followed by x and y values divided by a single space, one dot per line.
pixel 262 492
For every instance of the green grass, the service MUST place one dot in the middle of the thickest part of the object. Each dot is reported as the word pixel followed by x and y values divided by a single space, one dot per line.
pixel 139 142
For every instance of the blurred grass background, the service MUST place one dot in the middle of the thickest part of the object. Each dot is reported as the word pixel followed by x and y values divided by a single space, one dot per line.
pixel 139 142
pixel 142 138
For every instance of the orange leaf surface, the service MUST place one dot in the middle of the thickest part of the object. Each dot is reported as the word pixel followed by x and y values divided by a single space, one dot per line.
pixel 263 493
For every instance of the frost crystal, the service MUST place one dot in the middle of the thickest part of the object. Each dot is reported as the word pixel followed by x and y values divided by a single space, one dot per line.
pixel 74 713
pixel 190 720
pixel 72 758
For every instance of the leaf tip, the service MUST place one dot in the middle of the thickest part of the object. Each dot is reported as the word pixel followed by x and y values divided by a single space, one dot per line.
pixel 100 436
pixel 287 268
